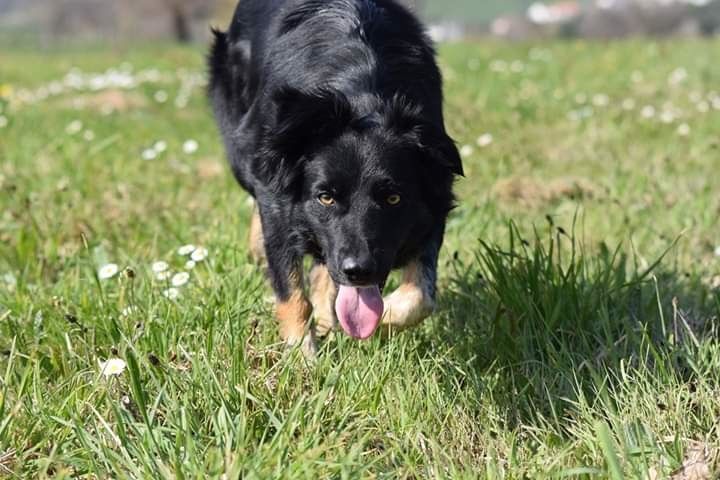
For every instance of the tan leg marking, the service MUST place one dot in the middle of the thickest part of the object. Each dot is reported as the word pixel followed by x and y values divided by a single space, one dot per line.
pixel 257 247
pixel 322 297
pixel 293 316
pixel 411 302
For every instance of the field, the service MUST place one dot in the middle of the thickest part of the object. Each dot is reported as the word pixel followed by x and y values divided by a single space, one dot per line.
pixel 577 331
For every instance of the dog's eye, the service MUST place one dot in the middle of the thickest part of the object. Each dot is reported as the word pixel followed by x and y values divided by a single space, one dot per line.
pixel 393 199
pixel 326 199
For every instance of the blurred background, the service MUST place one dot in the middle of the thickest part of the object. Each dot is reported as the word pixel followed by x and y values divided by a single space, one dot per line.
pixel 47 22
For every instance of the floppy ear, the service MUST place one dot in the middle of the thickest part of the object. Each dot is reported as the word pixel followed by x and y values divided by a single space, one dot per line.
pixel 299 121
pixel 408 120
pixel 303 118
pixel 442 149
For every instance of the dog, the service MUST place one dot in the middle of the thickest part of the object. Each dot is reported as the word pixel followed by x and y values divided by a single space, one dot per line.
pixel 331 116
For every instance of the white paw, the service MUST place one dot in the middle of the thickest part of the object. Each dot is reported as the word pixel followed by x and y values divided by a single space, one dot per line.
pixel 406 307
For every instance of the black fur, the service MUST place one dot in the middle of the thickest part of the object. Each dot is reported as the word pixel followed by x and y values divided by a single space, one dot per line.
pixel 342 98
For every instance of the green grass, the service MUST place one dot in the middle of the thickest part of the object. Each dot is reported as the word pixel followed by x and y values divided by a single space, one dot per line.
pixel 577 333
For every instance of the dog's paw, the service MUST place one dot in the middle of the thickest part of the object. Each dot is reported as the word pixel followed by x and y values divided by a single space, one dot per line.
pixel 307 346
pixel 324 324
pixel 406 307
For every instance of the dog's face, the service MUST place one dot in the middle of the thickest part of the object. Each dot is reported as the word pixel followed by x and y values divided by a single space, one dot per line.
pixel 362 200
pixel 370 188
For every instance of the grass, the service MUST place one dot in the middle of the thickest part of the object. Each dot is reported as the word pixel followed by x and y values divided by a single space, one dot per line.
pixel 577 333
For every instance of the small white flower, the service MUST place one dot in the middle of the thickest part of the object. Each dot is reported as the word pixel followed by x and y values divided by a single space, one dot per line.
pixel 108 271
pixel 717 251
pixel 648 111
pixel 484 140
pixel 466 150
pixel 161 96
pixel 678 76
pixel 10 281
pixel 160 146
pixel 159 266
pixel 601 100
pixel 628 104
pixel 171 293
pixel 667 117
pixel 703 106
pixel 199 254
pixel 149 154
pixel 129 310
pixel 190 264
pixel 180 279
pixel 162 276
pixel 3 121
pixel 683 130
pixel 190 146
pixel 89 135
pixel 74 127
pixel 186 249
pixel 112 367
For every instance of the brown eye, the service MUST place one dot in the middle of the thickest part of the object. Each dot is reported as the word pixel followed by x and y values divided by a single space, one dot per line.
pixel 326 199
pixel 393 199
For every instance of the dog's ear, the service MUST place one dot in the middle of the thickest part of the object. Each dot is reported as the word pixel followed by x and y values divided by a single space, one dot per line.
pixel 298 122
pixel 406 119
pixel 304 118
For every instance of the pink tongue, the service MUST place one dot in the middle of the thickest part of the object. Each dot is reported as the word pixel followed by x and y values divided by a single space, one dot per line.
pixel 359 310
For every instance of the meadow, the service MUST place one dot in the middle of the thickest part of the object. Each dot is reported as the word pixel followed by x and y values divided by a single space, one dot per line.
pixel 577 328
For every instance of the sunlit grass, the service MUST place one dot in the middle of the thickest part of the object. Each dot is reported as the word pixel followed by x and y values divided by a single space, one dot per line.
pixel 577 329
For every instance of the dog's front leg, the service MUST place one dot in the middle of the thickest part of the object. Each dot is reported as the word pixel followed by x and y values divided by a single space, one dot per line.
pixel 414 300
pixel 292 309
pixel 322 295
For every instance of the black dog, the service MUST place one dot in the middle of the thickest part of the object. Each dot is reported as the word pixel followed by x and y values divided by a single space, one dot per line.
pixel 331 113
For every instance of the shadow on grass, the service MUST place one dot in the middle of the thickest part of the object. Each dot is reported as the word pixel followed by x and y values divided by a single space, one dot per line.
pixel 558 323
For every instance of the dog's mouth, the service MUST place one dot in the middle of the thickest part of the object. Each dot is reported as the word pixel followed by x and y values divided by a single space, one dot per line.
pixel 359 310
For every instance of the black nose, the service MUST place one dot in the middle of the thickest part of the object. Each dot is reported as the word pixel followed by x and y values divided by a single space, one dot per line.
pixel 356 270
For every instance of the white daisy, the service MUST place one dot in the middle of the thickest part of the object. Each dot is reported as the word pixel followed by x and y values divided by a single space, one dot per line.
pixel 171 293
pixel 149 154
pixel 10 281
pixel 180 279
pixel 161 96
pixel 601 100
pixel 683 130
pixel 628 104
pixel 186 249
pixel 678 76
pixel 717 251
pixel 190 146
pixel 190 264
pixel 466 150
pixel 89 135
pixel 162 276
pixel 648 111
pixel 159 266
pixel 484 140
pixel 160 146
pixel 199 254
pixel 112 367
pixel 108 271
pixel 74 127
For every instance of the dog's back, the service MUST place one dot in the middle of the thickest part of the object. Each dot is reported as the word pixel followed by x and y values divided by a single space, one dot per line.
pixel 353 46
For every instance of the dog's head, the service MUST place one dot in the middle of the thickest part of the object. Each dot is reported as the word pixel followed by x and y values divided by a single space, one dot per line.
pixel 370 186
